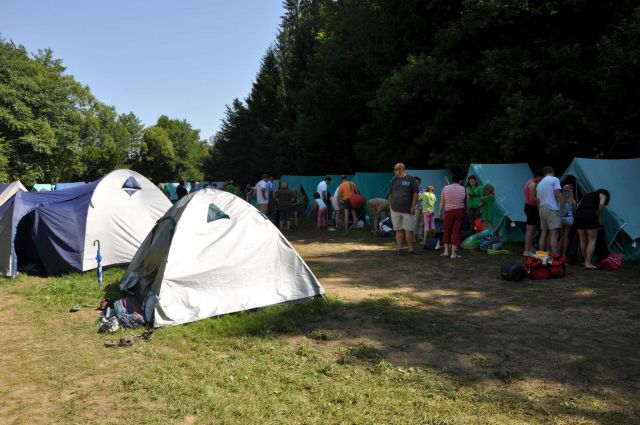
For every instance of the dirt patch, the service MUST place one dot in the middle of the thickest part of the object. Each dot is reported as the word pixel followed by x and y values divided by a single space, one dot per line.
pixel 459 316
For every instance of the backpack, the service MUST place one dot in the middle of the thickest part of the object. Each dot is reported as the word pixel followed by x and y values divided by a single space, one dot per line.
pixel 550 267
pixel 385 227
pixel 612 262
pixel 512 272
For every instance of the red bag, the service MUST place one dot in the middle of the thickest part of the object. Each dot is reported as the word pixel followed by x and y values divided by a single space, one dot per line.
pixel 553 269
pixel 477 225
pixel 612 262
pixel 356 201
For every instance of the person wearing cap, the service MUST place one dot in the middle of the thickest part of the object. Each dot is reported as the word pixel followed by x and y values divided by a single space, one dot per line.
pixel 566 219
pixel 345 191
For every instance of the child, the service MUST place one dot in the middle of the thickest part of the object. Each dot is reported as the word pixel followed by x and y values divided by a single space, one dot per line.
pixel 568 206
pixel 321 211
pixel 488 204
pixel 428 199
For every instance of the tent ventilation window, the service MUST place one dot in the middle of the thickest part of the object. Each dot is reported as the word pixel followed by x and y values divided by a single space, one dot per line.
pixel 131 186
pixel 215 213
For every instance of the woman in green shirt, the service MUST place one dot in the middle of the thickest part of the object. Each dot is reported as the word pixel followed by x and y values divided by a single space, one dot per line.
pixel 488 207
pixel 474 193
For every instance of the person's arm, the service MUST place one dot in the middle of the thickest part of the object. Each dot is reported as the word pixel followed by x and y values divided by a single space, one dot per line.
pixel 558 195
pixel 442 203
pixel 414 200
pixel 533 199
pixel 603 200
pixel 263 191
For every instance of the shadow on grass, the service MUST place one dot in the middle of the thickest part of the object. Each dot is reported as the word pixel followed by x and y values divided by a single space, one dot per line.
pixel 502 346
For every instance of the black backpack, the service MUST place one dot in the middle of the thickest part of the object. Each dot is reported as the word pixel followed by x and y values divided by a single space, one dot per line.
pixel 512 272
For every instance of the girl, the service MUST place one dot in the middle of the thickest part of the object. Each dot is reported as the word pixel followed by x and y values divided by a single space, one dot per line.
pixel 474 196
pixel 587 218
pixel 568 206
pixel 488 204
pixel 321 211
pixel 428 199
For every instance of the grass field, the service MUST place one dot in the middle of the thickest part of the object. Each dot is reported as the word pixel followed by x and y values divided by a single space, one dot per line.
pixel 421 339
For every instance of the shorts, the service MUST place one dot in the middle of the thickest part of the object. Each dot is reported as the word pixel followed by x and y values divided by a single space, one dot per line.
pixel 285 214
pixel 404 221
pixel 549 219
pixel 300 209
pixel 586 219
pixel 533 215
pixel 345 204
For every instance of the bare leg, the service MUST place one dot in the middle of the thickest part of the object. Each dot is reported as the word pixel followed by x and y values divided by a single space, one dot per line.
pixel 553 239
pixel 592 235
pixel 582 233
pixel 454 251
pixel 346 219
pixel 543 240
pixel 565 240
pixel 355 218
pixel 446 250
pixel 528 240
pixel 376 219
pixel 399 239
pixel 409 238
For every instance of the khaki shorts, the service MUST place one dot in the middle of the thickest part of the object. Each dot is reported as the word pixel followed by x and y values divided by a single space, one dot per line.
pixel 549 219
pixel 403 221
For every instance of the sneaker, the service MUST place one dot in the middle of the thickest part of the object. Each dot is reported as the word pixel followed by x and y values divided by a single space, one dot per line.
pixel 528 253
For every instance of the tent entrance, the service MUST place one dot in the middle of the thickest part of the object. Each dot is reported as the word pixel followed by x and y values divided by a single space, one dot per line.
pixel 28 257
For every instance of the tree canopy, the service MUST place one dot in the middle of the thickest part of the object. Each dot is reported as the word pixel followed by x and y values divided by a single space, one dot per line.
pixel 358 85
pixel 52 129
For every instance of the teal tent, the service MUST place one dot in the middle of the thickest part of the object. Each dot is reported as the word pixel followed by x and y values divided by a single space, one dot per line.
pixel 373 185
pixel 621 219
pixel 436 178
pixel 310 183
pixel 508 180
pixel 42 186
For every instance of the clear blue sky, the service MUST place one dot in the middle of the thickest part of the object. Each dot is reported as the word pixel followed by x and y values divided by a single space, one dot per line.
pixel 185 59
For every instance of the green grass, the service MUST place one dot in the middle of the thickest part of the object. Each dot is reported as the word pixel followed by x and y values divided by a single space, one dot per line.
pixel 282 364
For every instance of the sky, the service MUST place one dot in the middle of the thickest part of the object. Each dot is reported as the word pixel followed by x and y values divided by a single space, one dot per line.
pixel 184 59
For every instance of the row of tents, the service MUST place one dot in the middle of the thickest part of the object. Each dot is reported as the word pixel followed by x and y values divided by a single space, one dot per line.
pixel 621 220
pixel 211 253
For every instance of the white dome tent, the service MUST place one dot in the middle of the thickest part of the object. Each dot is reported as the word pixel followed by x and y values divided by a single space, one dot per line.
pixel 211 254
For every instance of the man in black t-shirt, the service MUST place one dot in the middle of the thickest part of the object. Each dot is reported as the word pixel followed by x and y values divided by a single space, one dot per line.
pixel 181 190
pixel 403 196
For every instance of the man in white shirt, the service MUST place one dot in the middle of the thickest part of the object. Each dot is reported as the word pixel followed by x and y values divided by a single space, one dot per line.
pixel 549 193
pixel 262 194
pixel 323 190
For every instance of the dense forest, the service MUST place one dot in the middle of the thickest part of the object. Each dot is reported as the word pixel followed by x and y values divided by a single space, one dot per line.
pixel 52 129
pixel 356 85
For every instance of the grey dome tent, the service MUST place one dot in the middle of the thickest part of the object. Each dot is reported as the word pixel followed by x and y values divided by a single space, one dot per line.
pixel 213 253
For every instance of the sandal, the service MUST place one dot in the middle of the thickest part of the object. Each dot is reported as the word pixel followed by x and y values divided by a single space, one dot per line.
pixel 126 341
pixel 110 343
pixel 444 255
pixel 456 256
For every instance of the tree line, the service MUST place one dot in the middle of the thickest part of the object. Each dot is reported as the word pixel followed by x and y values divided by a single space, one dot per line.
pixel 52 129
pixel 354 85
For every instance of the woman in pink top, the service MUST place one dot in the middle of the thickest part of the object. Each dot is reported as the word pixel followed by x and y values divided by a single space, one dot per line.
pixel 453 200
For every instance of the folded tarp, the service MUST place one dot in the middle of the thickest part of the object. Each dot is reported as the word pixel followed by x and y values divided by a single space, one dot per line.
pixel 621 218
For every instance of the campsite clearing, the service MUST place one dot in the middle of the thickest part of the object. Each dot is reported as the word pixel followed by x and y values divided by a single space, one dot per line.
pixel 413 339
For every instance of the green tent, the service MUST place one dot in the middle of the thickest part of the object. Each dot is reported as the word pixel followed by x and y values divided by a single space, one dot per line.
pixel 508 180
pixel 621 219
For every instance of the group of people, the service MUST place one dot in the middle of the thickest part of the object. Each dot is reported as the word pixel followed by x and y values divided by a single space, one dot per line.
pixel 549 207
pixel 553 209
